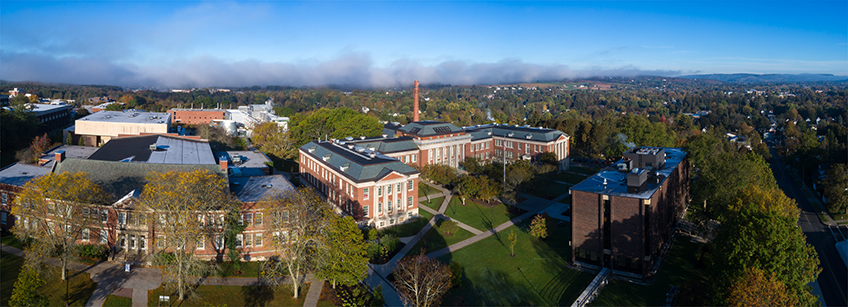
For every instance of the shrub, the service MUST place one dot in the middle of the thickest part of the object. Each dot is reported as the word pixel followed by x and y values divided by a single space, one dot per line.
pixel 92 251
pixel 456 274
pixel 373 250
pixel 390 242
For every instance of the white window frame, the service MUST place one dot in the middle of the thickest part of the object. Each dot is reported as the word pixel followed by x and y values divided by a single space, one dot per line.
pixel 104 236
pixel 248 218
pixel 365 208
pixel 257 240
pixel 409 185
pixel 200 244
pixel 259 218
pixel 365 193
pixel 219 242
pixel 239 241
pixel 86 234
pixel 142 243
pixel 133 243
pixel 248 240
pixel 409 202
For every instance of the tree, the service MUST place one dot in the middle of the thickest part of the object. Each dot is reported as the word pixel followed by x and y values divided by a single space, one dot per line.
pixel 335 123
pixel 512 240
pixel 114 107
pixel 298 223
pixel 182 202
pixel 39 145
pixel 421 281
pixel 549 157
pixel 836 188
pixel 55 212
pixel 273 140
pixel 539 227
pixel 449 226
pixel 27 290
pixel 757 288
pixel 343 253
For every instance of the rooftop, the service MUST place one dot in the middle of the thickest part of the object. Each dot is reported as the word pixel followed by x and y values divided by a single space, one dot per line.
pixel 386 144
pixel 169 150
pixel 354 161
pixel 515 132
pixel 128 116
pixel 71 151
pixel 249 159
pixel 18 174
pixel 253 189
pixel 616 181
pixel 429 127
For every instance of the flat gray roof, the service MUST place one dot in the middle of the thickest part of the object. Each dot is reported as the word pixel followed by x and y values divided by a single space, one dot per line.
pixel 71 151
pixel 181 151
pixel 617 180
pixel 253 189
pixel 19 174
pixel 249 159
pixel 129 116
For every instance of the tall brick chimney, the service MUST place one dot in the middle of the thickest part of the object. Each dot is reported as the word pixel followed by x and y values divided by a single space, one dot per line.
pixel 59 156
pixel 223 162
pixel 415 104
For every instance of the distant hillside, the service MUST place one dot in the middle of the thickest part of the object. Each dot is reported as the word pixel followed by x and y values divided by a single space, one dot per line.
pixel 770 78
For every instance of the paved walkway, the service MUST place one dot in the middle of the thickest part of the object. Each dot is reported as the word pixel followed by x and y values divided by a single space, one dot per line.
pixel 111 277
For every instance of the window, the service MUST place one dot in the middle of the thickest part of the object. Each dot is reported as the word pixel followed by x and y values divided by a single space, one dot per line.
pixel 104 215
pixel 257 241
pixel 409 201
pixel 84 213
pixel 409 214
pixel 248 217
pixel 103 236
pixel 389 207
pixel 259 218
pixel 367 213
pixel 132 241
pixel 414 158
pixel 248 240
pixel 498 142
pixel 94 213
pixel 239 240
pixel 142 243
pixel 241 219
pixel 405 160
pixel 487 145
pixel 379 207
pixel 219 242
pixel 200 244
pixel 162 219
pixel 160 241
pixel 399 204
pixel 409 185
pixel 379 191
pixel 123 241
pixel 86 234
pixel 3 218
pixel 3 199
pixel 122 218
pixel 365 193
pixel 211 221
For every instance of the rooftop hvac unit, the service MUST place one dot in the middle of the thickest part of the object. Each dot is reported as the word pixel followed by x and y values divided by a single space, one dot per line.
pixel 152 147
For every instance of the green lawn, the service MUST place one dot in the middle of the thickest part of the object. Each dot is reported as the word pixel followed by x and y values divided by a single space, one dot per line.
pixel 234 296
pixel 571 178
pixel 547 189
pixel 478 216
pixel 81 287
pixel 679 271
pixel 424 189
pixel 411 228
pixel 584 170
pixel 538 275
pixel 117 301
pixel 434 203
pixel 435 239
pixel 248 269
pixel 11 240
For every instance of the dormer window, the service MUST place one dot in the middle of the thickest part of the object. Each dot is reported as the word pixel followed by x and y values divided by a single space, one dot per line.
pixel 327 157
pixel 312 149
pixel 344 167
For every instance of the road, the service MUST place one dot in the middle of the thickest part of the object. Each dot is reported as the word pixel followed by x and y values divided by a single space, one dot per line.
pixel 833 279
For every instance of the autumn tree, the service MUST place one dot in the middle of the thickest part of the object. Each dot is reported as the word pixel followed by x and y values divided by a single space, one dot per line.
pixel 758 288
pixel 298 224
pixel 539 227
pixel 421 281
pixel 181 203
pixel 273 140
pixel 343 256
pixel 27 289
pixel 512 238
pixel 54 210
pixel 39 145
pixel 836 188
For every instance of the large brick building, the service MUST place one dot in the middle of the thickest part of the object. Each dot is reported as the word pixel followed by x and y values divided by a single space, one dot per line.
pixel 376 189
pixel 121 167
pixel 444 143
pixel 197 116
pixel 622 215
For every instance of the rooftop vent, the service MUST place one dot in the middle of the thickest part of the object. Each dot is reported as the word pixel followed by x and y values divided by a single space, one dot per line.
pixel 372 154
pixel 108 116
pixel 489 132
pixel 268 186
pixel 152 147
pixel 362 137
pixel 349 138
pixel 526 126
pixel 529 136
pixel 360 149
pixel 349 146
pixel 385 135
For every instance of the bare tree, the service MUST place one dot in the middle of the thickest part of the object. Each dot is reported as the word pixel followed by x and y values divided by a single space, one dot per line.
pixel 53 210
pixel 298 219
pixel 421 281
pixel 181 203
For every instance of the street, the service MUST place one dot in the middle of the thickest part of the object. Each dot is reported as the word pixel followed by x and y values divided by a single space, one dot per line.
pixel 833 279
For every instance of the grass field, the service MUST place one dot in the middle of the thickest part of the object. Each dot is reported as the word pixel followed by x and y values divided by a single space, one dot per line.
pixel 411 228
pixel 81 287
pixel 424 189
pixel 478 216
pixel 233 296
pixel 435 239
pixel 117 301
pixel 538 275
pixel 548 189
pixel 584 170
pixel 679 270
pixel 434 203
pixel 248 269
pixel 571 178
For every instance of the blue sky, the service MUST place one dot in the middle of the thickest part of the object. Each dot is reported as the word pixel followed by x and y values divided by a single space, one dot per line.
pixel 391 43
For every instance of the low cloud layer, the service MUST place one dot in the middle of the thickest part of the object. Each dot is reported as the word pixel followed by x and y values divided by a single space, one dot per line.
pixel 352 69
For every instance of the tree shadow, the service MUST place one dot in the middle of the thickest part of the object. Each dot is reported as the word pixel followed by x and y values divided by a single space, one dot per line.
pixel 257 295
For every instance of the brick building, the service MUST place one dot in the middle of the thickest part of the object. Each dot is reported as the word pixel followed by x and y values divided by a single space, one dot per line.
pixel 121 167
pixel 376 189
pixel 622 215
pixel 197 116
pixel 444 143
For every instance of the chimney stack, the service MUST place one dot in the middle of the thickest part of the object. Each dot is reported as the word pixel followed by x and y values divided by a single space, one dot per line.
pixel 223 161
pixel 59 156
pixel 415 103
